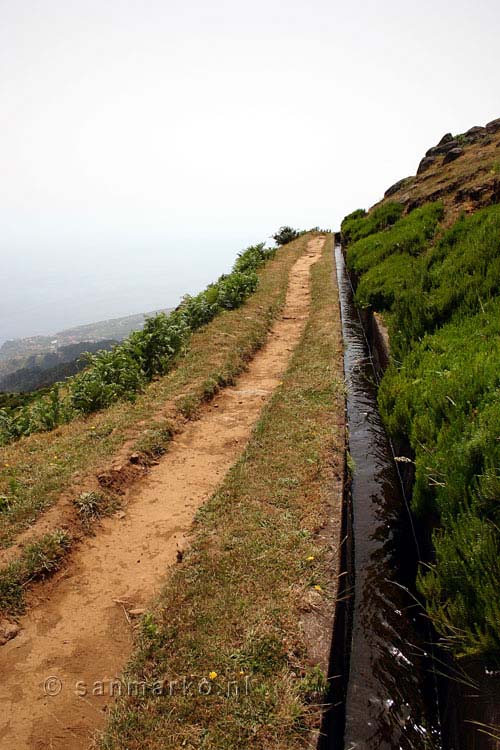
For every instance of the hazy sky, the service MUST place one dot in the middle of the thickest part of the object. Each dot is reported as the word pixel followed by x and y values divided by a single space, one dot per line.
pixel 143 144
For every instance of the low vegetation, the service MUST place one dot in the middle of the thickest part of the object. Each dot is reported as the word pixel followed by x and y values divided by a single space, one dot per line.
pixel 37 469
pixel 441 302
pixel 385 260
pixel 359 224
pixel 125 370
pixel 285 235
pixel 39 559
pixel 92 506
pixel 229 619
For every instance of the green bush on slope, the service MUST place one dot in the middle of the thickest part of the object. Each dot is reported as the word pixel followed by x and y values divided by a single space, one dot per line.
pixel 359 224
pixel 125 370
pixel 386 261
pixel 442 394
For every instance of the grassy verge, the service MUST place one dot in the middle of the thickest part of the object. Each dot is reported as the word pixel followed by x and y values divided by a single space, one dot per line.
pixel 37 469
pixel 229 618
pixel 441 395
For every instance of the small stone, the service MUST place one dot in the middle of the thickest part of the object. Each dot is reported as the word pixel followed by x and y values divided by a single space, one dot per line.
pixel 8 631
pixel 121 514
pixel 136 612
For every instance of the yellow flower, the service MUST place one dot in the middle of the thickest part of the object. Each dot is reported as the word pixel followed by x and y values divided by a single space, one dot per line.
pixel 212 675
pixel 310 558
pixel 242 672
pixel 318 588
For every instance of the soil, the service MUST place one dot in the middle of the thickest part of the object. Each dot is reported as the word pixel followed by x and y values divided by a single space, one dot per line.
pixel 78 633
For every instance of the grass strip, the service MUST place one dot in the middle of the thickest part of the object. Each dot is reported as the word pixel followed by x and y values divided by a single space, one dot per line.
pixel 223 658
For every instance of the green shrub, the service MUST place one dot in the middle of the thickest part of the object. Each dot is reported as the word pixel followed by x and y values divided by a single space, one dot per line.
pixel 462 588
pixel 110 376
pixel 457 277
pixel 285 235
pixel 410 234
pixel 360 224
pixel 253 257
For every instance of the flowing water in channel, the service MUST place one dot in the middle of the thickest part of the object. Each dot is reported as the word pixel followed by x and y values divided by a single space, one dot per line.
pixel 390 699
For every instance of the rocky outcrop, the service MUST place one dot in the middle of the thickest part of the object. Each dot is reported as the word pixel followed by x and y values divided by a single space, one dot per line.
pixel 445 139
pixel 425 164
pixel 452 155
pixel 493 126
pixel 485 194
pixel 397 186
pixel 477 133
pixel 451 147
pixel 443 148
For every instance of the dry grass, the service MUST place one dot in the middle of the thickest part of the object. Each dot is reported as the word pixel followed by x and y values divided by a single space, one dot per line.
pixel 230 615
pixel 35 471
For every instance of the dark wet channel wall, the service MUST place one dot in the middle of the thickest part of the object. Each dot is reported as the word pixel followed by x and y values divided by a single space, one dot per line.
pixel 390 697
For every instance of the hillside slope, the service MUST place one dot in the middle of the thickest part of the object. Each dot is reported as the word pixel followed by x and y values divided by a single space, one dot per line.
pixel 462 171
pixel 426 259
pixel 44 369
pixel 114 328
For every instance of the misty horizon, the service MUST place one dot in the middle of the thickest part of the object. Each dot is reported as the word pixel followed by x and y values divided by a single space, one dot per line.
pixel 143 147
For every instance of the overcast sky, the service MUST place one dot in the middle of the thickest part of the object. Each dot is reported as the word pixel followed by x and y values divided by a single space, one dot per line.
pixel 143 144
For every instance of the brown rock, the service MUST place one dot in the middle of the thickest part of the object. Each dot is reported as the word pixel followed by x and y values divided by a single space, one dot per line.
pixel 425 164
pixel 452 155
pixel 445 139
pixel 477 133
pixel 8 631
pixel 442 148
pixel 493 126
pixel 397 186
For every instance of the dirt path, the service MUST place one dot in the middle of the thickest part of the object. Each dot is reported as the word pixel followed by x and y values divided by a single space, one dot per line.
pixel 80 634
